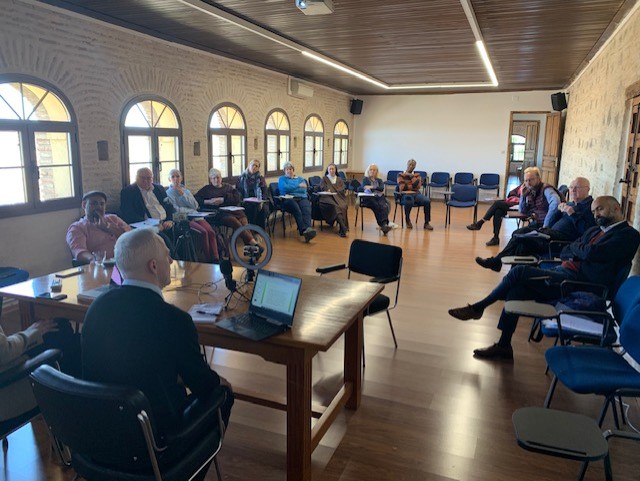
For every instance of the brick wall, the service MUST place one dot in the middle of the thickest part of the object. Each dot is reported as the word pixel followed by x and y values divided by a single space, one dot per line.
pixel 100 68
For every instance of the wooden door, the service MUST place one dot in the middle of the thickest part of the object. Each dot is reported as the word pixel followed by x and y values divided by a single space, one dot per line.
pixel 552 148
pixel 531 144
pixel 630 191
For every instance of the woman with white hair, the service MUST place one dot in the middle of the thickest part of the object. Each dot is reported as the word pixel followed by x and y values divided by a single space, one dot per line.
pixel 375 200
pixel 184 202
pixel 216 195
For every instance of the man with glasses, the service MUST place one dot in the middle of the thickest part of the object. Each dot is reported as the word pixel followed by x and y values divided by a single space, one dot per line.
pixel 144 200
pixel 570 221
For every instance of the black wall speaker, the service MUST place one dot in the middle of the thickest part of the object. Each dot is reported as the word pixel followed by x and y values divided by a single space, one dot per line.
pixel 356 106
pixel 559 101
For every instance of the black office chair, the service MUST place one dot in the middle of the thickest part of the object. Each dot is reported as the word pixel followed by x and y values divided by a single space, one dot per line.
pixel 110 432
pixel 383 263
pixel 274 193
pixel 9 379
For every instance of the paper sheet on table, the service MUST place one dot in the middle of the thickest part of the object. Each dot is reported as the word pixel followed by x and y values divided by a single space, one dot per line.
pixel 231 208
pixel 205 312
pixel 146 224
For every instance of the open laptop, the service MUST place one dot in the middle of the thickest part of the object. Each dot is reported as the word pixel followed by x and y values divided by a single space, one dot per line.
pixel 272 307
pixel 90 295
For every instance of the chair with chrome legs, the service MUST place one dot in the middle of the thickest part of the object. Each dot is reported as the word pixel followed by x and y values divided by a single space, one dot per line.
pixel 381 262
pixel 109 432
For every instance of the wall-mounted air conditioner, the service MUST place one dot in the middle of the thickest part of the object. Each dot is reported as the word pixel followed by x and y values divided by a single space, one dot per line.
pixel 299 90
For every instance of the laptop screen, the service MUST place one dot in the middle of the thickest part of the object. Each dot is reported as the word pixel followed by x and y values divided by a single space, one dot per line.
pixel 275 295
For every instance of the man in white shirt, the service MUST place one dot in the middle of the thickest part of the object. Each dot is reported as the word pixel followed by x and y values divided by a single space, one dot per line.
pixel 145 200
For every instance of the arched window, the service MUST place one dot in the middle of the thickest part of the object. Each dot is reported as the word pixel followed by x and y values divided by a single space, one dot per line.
pixel 228 134
pixel 340 144
pixel 39 148
pixel 152 138
pixel 277 138
pixel 313 144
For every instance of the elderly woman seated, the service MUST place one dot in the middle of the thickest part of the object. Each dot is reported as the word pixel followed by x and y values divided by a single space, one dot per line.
pixel 216 195
pixel 375 199
pixel 296 201
pixel 333 200
pixel 184 203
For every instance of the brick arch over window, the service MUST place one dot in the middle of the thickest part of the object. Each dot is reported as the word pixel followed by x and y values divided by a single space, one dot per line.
pixel 228 140
pixel 152 138
pixel 277 141
pixel 341 144
pixel 313 144
pixel 39 143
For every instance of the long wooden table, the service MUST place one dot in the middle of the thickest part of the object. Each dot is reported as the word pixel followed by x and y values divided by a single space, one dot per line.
pixel 316 327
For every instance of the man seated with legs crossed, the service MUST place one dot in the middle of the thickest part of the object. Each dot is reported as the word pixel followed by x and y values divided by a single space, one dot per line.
pixel 132 337
pixel 570 221
pixel 597 256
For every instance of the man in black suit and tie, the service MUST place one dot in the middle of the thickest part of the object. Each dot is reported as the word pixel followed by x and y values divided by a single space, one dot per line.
pixel 145 200
pixel 597 256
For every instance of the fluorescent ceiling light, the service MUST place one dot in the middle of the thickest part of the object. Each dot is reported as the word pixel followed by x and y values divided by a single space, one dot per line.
pixel 239 22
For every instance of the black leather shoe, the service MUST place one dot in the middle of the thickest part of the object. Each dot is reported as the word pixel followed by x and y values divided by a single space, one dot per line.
pixel 494 241
pixel 465 313
pixel 489 263
pixel 474 226
pixel 494 352
pixel 385 228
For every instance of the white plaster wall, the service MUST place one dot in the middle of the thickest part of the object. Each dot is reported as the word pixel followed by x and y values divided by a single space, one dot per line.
pixel 99 68
pixel 451 133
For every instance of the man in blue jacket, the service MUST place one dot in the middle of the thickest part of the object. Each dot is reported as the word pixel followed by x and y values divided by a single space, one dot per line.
pixel 569 222
pixel 597 256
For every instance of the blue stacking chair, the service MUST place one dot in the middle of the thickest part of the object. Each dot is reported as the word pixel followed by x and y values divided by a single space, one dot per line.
pixel 580 325
pixel 490 182
pixel 424 177
pixel 600 370
pixel 463 196
pixel 464 178
pixel 392 179
pixel 439 180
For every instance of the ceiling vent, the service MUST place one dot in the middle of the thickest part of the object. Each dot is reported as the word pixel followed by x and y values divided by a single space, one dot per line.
pixel 315 7
pixel 299 90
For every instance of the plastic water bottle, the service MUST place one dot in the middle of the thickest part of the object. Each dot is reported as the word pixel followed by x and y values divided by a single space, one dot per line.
pixel 258 192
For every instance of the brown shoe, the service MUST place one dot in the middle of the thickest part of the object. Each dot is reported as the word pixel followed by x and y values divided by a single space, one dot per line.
pixel 465 313
pixel 427 226
pixel 494 352
pixel 409 224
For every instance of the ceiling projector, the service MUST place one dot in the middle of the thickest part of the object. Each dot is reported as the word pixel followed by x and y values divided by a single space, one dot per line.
pixel 315 7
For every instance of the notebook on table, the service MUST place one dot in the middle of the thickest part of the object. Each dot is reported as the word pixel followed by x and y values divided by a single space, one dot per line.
pixel 115 281
pixel 272 307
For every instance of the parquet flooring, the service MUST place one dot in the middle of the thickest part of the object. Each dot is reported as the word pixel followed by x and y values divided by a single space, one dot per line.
pixel 430 411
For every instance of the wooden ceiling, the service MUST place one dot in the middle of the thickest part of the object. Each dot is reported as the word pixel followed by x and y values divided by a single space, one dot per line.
pixel 532 44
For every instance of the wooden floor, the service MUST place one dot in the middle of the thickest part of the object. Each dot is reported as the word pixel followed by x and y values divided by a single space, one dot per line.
pixel 430 411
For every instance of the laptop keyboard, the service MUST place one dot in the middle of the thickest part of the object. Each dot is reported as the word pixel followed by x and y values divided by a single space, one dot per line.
pixel 256 323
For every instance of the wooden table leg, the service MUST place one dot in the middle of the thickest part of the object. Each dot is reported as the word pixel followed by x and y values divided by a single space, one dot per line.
pixel 27 314
pixel 353 339
pixel 299 446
